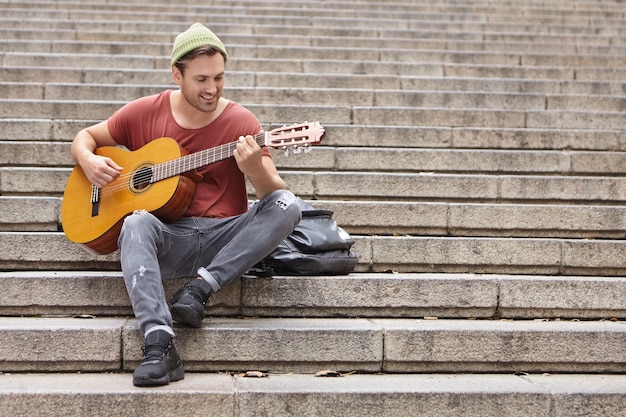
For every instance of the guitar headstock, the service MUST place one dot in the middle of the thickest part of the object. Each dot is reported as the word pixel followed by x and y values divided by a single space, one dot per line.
pixel 295 137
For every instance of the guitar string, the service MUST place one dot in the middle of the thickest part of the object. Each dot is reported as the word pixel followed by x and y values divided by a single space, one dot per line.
pixel 188 163
pixel 174 167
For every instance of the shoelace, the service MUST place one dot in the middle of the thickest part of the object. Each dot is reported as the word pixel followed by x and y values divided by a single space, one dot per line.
pixel 193 291
pixel 154 352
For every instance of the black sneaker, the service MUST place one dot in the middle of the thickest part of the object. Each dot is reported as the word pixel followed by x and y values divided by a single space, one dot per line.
pixel 161 363
pixel 187 304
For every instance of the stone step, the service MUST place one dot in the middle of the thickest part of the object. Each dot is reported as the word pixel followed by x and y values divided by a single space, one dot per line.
pixel 558 71
pixel 336 15
pixel 502 162
pixel 286 395
pixel 427 25
pixel 501 42
pixel 486 35
pixel 34 213
pixel 360 115
pixel 551 256
pixel 308 345
pixel 387 93
pixel 536 119
pixel 243 82
pixel 422 186
pixel 514 85
pixel 539 8
pixel 395 54
pixel 364 295
pixel 500 188
pixel 376 159
pixel 99 110
pixel 292 73
pixel 39 214
pixel 64 130
pixel 410 40
pixel 35 153
pixel 406 69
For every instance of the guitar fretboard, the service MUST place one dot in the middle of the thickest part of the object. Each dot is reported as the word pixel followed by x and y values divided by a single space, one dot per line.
pixel 197 160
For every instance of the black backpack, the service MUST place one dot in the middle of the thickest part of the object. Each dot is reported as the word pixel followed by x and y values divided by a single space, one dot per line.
pixel 317 246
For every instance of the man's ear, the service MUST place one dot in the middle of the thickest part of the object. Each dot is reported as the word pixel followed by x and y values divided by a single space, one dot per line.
pixel 177 76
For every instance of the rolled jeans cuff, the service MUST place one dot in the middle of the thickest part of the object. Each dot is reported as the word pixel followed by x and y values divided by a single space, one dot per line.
pixel 206 275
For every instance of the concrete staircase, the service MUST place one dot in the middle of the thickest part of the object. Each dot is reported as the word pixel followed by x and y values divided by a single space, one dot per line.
pixel 474 150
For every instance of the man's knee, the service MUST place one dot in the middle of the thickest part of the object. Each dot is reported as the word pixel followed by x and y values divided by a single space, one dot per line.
pixel 288 209
pixel 285 201
pixel 138 225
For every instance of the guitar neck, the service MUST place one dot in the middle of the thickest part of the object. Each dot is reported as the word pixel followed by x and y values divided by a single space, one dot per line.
pixel 197 160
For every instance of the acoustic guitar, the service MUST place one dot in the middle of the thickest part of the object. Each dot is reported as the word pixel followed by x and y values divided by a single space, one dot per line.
pixel 159 177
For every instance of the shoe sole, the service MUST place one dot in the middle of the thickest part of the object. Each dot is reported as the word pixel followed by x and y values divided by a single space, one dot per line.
pixel 186 314
pixel 172 376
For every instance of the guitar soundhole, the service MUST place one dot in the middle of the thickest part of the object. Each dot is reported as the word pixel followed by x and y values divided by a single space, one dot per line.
pixel 141 180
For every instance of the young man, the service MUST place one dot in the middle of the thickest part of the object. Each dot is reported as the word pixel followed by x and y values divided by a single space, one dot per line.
pixel 218 239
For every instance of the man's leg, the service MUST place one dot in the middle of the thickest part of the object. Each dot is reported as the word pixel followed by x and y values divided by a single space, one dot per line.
pixel 141 239
pixel 233 248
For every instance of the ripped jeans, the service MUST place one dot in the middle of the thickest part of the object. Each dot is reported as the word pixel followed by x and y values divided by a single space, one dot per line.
pixel 219 250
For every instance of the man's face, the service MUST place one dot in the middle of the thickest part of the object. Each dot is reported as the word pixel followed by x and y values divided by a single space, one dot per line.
pixel 202 83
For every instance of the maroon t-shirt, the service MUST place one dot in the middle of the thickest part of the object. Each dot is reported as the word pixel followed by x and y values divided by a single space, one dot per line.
pixel 222 190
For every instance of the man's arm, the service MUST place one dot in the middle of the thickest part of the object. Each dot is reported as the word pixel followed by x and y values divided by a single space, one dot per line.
pixel 98 169
pixel 259 169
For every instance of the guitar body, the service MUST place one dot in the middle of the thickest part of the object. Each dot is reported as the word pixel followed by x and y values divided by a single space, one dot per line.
pixel 96 226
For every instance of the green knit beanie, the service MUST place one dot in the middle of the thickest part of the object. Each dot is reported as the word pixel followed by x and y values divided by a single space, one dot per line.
pixel 196 36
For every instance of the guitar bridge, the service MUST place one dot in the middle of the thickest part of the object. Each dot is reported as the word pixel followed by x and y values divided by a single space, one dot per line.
pixel 95 201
